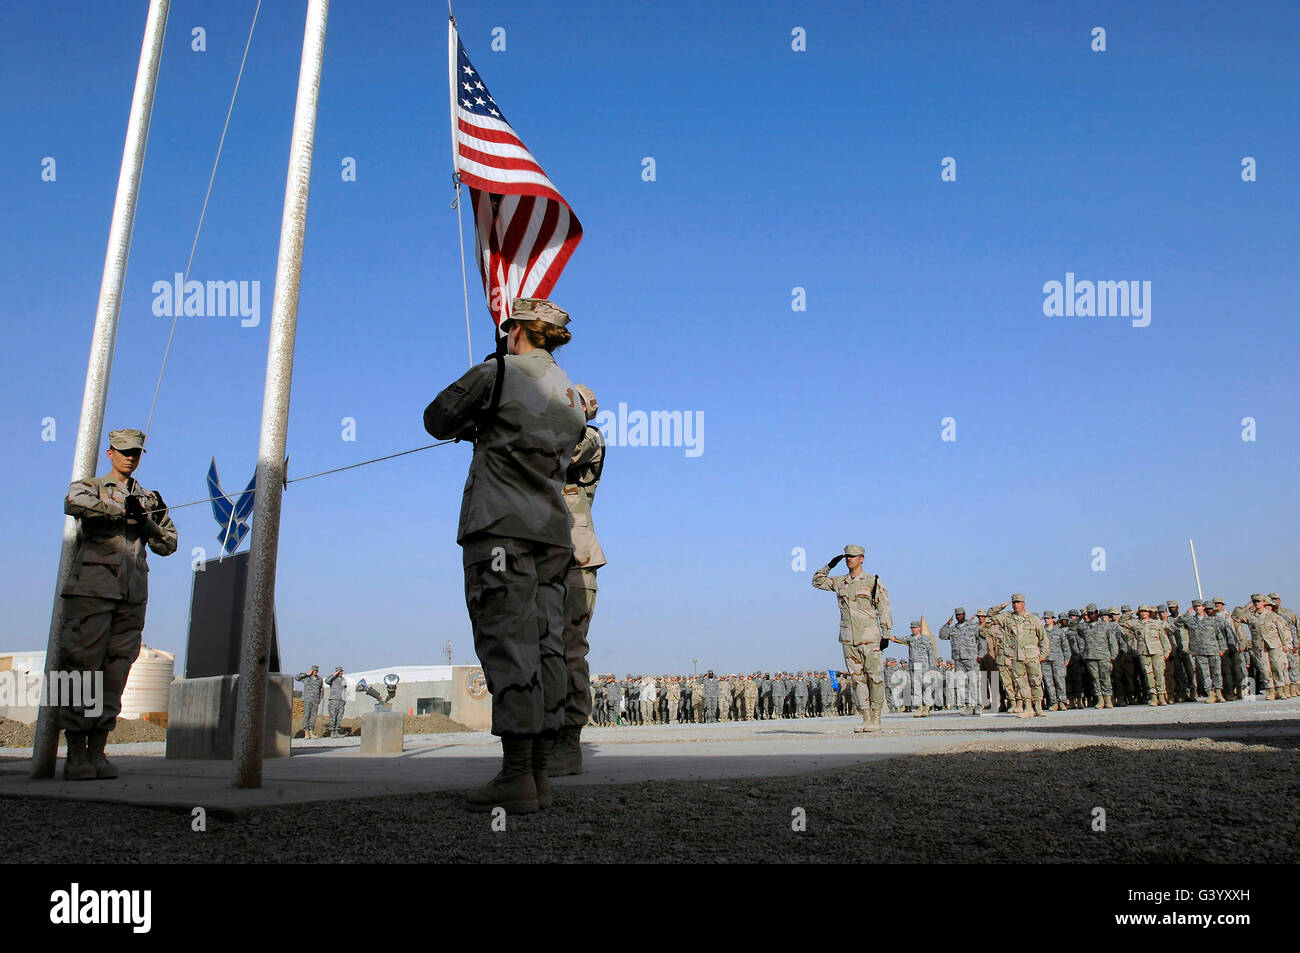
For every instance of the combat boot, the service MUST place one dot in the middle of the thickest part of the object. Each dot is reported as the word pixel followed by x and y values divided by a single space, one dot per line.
pixel 1038 710
pixel 95 742
pixel 513 788
pixel 1218 694
pixel 1026 711
pixel 866 723
pixel 1110 701
pixel 1101 702
pixel 78 766
pixel 1270 695
pixel 543 748
pixel 1153 700
pixel 1164 698
pixel 1209 699
pixel 566 756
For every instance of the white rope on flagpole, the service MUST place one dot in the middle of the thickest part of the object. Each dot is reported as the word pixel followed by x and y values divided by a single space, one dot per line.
pixel 455 170
pixel 206 196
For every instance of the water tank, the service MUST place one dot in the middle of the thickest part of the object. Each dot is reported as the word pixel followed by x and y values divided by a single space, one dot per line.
pixel 148 686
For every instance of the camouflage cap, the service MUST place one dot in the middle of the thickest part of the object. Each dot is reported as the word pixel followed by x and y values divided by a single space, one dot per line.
pixel 1256 597
pixel 539 309
pixel 960 610
pixel 1277 599
pixel 1125 608
pixel 915 625
pixel 1090 607
pixel 1049 614
pixel 1218 602
pixel 1017 597
pixel 1146 608
pixel 854 550
pixel 1075 612
pixel 589 404
pixel 1172 603
pixel 1239 614
pixel 126 440
pixel 1113 610
pixel 980 613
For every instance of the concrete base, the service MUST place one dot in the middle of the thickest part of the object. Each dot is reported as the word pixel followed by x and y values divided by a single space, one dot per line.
pixel 381 732
pixel 471 705
pixel 201 717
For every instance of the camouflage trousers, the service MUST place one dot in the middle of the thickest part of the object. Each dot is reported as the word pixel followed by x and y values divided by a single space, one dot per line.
pixel 1099 672
pixel 1029 679
pixel 1211 671
pixel 967 683
pixel 309 711
pixel 865 667
pixel 1271 664
pixel 336 714
pixel 579 605
pixel 1054 680
pixel 99 635
pixel 1183 660
pixel 1154 667
pixel 515 592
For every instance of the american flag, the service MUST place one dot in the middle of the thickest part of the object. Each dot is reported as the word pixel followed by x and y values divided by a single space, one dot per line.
pixel 525 229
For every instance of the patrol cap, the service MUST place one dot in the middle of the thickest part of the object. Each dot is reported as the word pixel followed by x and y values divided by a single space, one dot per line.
pixel 538 309
pixel 1017 597
pixel 1145 608
pixel 1172 604
pixel 1256 597
pixel 915 625
pixel 1091 607
pixel 1197 602
pixel 1113 610
pixel 1277 599
pixel 1075 612
pixel 1049 614
pixel 854 550
pixel 1125 608
pixel 588 400
pixel 960 610
pixel 1219 602
pixel 126 440
pixel 980 613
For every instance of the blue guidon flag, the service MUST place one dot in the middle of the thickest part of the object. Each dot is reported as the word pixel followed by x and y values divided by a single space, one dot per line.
pixel 232 515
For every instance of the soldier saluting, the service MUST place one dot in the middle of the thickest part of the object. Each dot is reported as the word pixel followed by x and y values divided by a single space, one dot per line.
pixel 105 596
pixel 865 622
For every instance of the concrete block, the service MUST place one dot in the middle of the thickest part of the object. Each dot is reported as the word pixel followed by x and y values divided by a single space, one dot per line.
pixel 381 732
pixel 471 704
pixel 201 717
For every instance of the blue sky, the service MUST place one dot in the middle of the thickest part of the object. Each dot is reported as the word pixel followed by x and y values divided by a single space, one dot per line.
pixel 775 169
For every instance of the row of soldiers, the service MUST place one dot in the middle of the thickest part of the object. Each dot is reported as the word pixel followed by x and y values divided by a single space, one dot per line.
pixel 687 699
pixel 1100 657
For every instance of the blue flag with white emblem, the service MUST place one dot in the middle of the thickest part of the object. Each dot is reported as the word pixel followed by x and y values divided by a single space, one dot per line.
pixel 231 515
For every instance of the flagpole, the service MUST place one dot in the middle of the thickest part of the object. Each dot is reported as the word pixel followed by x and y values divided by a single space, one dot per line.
pixel 452 36
pixel 102 342
pixel 259 594
pixel 1196 569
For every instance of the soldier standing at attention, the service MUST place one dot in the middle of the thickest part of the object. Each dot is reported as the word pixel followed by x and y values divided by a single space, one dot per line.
pixel 338 699
pixel 105 597
pixel 1099 649
pixel 965 637
pixel 1057 656
pixel 1269 633
pixel 526 419
pixel 614 699
pixel 1004 654
pixel 312 688
pixel 1028 647
pixel 800 695
pixel 581 479
pixel 1293 623
pixel 1206 643
pixel 921 661
pixel 1149 637
pixel 865 623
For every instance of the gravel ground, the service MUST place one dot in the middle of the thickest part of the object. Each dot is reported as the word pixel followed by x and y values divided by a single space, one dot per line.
pixel 1166 801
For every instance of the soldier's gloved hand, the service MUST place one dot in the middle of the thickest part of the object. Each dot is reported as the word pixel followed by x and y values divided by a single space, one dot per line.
pixel 134 511
pixel 835 562
pixel 159 508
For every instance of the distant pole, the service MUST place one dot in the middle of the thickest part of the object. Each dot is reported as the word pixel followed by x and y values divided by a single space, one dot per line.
pixel 259 594
pixel 447 648
pixel 1196 570
pixel 86 454
pixel 696 664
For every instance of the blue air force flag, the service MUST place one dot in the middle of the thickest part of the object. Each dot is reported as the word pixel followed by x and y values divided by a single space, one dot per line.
pixel 231 515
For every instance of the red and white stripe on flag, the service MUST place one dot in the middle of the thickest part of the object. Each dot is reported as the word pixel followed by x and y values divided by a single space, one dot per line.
pixel 525 230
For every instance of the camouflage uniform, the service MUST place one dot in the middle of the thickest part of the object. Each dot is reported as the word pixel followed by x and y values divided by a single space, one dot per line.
pixel 1028 644
pixel 922 661
pixel 515 531
pixel 338 701
pixel 582 478
pixel 1270 636
pixel 1150 639
pixel 1207 644
pixel 865 619
pixel 105 596
pixel 312 689
pixel 1099 650
pixel 965 638
pixel 1058 656
pixel 800 695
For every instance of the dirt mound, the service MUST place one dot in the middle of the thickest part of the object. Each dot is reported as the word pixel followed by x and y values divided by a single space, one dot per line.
pixel 14 734
pixel 411 725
